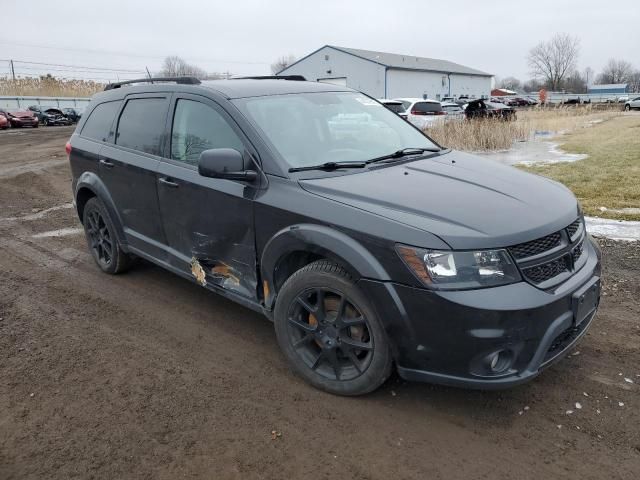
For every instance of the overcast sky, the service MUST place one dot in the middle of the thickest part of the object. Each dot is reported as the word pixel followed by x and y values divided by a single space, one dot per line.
pixel 246 36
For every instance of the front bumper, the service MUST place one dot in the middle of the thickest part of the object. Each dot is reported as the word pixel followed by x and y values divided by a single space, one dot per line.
pixel 21 122
pixel 449 337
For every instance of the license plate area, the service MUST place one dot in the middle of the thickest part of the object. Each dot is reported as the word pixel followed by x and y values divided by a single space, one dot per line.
pixel 585 300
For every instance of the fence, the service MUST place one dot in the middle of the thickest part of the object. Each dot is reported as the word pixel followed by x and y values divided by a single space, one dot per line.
pixel 59 102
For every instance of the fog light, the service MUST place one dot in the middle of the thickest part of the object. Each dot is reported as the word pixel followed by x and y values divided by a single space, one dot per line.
pixel 494 360
pixel 500 361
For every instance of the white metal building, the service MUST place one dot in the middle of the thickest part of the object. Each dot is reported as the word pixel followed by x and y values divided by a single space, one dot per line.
pixel 390 75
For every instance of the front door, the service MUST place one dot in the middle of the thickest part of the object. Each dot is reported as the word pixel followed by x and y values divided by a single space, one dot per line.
pixel 128 168
pixel 208 222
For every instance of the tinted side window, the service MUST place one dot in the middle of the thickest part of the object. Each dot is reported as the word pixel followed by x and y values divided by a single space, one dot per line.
pixel 141 125
pixel 99 122
pixel 198 127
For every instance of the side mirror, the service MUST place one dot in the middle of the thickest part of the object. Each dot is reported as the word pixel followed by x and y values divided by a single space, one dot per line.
pixel 224 163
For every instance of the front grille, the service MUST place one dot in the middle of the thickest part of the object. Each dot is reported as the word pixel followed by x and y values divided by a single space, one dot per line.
pixel 546 271
pixel 534 247
pixel 576 253
pixel 574 227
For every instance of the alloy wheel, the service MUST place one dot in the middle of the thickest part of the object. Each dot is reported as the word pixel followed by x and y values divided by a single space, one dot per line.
pixel 100 237
pixel 330 334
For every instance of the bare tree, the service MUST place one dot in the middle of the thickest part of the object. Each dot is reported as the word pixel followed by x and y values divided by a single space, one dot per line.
pixel 281 63
pixel 175 66
pixel 510 83
pixel 532 85
pixel 615 71
pixel 634 81
pixel 554 59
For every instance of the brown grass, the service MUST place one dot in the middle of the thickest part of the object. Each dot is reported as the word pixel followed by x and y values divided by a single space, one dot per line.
pixel 478 135
pixel 494 134
pixel 49 87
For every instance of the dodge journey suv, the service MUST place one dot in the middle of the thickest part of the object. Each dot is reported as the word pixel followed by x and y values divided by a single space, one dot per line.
pixel 369 246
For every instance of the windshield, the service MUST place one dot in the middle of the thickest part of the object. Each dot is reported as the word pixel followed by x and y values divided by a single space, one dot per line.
pixel 314 128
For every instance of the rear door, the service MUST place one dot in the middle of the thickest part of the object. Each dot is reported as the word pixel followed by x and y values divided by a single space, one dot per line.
pixel 128 168
pixel 208 222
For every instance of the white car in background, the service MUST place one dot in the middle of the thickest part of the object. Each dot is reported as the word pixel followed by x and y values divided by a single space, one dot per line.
pixel 422 113
pixel 453 111
pixel 632 104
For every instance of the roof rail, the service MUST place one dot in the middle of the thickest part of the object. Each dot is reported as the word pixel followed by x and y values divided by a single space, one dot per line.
pixel 296 78
pixel 179 80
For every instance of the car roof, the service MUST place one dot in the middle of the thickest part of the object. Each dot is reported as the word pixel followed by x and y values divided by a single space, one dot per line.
pixel 389 102
pixel 415 100
pixel 232 88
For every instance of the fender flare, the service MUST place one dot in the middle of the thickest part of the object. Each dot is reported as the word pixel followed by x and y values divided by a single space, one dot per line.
pixel 320 240
pixel 91 181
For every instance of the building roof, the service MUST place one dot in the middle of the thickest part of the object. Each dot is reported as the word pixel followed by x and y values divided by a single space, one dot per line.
pixel 503 91
pixel 608 86
pixel 396 60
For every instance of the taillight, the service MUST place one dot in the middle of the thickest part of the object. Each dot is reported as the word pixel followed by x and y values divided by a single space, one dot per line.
pixel 441 112
pixel 67 148
pixel 418 112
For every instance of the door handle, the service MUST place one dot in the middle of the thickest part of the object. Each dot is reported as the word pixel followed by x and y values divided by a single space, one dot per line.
pixel 106 163
pixel 167 182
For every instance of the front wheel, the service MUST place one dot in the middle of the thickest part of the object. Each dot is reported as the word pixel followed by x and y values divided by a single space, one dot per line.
pixel 627 108
pixel 329 331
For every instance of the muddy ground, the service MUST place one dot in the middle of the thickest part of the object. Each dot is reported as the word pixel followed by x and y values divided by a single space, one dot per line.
pixel 146 375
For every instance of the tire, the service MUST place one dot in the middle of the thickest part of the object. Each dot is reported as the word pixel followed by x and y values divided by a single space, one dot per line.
pixel 627 108
pixel 103 243
pixel 344 354
pixel 45 122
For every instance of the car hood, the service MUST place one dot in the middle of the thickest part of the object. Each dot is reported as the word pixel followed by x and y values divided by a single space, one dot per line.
pixel 468 201
pixel 20 113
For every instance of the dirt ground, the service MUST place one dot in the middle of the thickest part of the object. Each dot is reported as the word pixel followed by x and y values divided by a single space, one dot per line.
pixel 146 375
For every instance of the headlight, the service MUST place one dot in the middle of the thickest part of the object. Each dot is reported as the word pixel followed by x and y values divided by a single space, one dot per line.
pixel 448 270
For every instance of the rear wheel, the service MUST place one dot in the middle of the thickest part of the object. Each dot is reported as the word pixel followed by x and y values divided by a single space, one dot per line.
pixel 103 243
pixel 329 332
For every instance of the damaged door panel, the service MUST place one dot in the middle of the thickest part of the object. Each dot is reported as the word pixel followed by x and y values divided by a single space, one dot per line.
pixel 208 222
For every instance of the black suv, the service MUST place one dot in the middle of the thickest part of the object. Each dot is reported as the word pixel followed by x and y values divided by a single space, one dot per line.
pixel 365 242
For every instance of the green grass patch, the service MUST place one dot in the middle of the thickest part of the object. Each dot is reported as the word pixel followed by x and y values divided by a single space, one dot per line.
pixel 610 176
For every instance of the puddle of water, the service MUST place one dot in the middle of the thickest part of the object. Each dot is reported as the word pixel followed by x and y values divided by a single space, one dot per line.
pixel 533 152
pixel 613 229
pixel 62 232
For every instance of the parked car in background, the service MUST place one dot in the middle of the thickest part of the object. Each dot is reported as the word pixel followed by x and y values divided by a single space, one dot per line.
pixel 420 112
pixel 73 114
pixel 484 109
pixel 623 99
pixel 453 110
pixel 50 115
pixel 22 118
pixel 395 106
pixel 632 104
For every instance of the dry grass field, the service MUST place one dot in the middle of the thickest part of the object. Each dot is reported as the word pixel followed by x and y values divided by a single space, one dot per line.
pixel 495 134
pixel 610 176
pixel 49 87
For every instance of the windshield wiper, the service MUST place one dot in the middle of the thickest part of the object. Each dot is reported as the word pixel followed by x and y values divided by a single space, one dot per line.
pixel 405 152
pixel 328 166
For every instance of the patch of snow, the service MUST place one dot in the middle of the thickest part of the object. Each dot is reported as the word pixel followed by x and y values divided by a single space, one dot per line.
pixel 63 232
pixel 614 229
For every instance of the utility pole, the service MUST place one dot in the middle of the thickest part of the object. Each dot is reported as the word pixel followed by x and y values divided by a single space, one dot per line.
pixel 148 73
pixel 13 72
